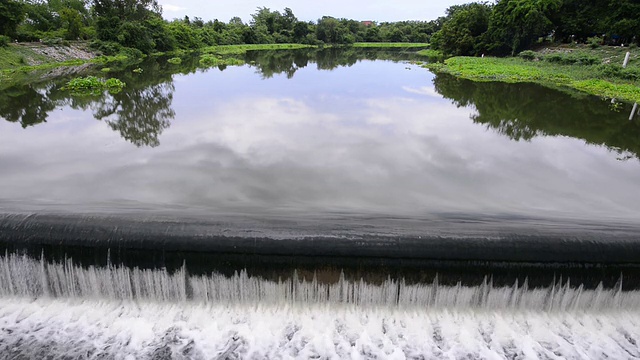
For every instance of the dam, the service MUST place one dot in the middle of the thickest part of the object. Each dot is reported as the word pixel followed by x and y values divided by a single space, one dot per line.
pixel 323 204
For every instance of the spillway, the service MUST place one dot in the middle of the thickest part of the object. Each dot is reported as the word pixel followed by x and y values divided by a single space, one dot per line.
pixel 60 310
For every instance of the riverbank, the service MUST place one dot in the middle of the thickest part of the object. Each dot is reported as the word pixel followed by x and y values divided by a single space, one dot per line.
pixel 593 71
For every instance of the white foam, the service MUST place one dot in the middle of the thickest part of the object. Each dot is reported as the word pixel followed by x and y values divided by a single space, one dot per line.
pixel 62 311
pixel 145 330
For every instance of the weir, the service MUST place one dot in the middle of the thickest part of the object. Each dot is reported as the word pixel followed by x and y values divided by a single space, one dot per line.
pixel 22 276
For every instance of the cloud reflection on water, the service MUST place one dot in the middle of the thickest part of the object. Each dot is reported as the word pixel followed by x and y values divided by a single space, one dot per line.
pixel 404 154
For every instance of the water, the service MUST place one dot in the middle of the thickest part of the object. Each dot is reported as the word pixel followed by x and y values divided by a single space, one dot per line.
pixel 304 137
pixel 25 277
pixel 330 204
pixel 62 310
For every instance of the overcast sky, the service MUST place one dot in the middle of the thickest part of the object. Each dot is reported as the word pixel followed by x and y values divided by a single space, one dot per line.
pixel 376 10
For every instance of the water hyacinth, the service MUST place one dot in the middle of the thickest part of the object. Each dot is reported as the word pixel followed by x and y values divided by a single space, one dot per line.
pixel 92 85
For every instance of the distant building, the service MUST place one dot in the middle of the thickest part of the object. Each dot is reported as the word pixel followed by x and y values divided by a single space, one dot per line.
pixel 367 23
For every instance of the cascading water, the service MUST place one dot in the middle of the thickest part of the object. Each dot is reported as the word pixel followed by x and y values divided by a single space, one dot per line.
pixel 62 310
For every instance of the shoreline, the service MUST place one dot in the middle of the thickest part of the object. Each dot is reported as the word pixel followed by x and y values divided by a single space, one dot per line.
pixel 18 61
pixel 589 79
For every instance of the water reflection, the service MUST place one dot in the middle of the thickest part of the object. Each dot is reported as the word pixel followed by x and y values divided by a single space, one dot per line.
pixel 143 110
pixel 25 105
pixel 270 63
pixel 365 138
pixel 525 111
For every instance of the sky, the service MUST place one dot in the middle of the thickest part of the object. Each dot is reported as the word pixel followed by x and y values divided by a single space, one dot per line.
pixel 375 10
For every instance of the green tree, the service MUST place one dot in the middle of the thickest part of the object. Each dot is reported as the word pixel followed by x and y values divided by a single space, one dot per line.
pixel 71 22
pixel 464 29
pixel 126 22
pixel 11 14
pixel 516 24
pixel 331 30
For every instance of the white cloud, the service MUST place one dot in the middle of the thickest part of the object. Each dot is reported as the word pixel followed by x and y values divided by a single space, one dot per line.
pixel 172 8
pixel 424 90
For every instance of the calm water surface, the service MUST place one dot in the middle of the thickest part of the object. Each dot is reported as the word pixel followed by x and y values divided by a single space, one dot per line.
pixel 299 136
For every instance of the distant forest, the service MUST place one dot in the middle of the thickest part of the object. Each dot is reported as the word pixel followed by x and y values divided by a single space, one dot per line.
pixel 501 28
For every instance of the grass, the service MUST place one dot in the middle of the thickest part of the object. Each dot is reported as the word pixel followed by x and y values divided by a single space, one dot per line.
pixel 430 53
pixel 593 71
pixel 389 45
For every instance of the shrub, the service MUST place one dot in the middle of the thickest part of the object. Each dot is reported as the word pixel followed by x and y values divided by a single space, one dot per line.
pixel 4 40
pixel 617 71
pixel 528 55
pixel 572 59
pixel 175 61
pixel 594 42
pixel 106 47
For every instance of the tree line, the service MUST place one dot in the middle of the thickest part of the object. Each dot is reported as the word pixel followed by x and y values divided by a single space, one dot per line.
pixel 511 26
pixel 501 28
pixel 139 24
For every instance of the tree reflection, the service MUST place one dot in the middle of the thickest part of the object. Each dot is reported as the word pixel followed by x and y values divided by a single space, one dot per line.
pixel 525 111
pixel 270 63
pixel 25 105
pixel 142 111
pixel 140 115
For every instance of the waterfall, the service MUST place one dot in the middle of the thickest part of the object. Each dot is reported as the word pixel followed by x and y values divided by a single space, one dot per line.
pixel 22 276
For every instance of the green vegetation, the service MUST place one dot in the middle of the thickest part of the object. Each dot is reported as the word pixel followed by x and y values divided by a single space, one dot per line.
pixel 92 85
pixel 511 26
pixel 114 25
pixel 125 31
pixel 386 45
pixel 594 72
pixel 430 53
pixel 175 61
pixel 242 49
pixel 209 60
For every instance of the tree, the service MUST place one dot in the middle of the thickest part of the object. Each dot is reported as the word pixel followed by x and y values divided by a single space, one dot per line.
pixel 332 31
pixel 516 24
pixel 126 22
pixel 464 29
pixel 71 22
pixel 11 14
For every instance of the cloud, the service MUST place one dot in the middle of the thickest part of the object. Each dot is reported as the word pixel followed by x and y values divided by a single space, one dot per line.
pixel 424 90
pixel 172 8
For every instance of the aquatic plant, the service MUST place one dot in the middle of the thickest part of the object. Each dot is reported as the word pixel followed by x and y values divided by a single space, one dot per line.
pixel 92 85
pixel 209 60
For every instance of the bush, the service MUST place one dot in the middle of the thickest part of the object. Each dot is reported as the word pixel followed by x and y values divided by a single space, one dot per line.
pixel 4 41
pixel 528 55
pixel 175 61
pixel 572 59
pixel 594 42
pixel 617 71
pixel 106 47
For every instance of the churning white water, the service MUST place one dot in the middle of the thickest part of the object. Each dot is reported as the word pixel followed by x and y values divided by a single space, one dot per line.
pixel 64 311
